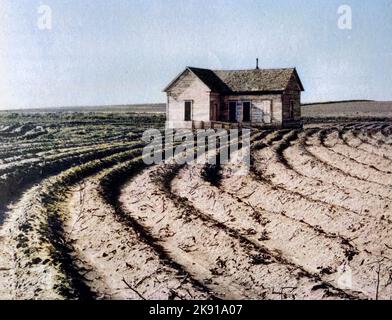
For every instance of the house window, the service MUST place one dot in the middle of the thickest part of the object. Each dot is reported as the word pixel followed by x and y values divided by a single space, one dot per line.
pixel 233 111
pixel 246 111
pixel 291 111
pixel 188 111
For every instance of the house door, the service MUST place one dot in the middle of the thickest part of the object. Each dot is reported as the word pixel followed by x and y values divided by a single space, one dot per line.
pixel 267 111
pixel 188 111
pixel 246 111
pixel 233 111
pixel 291 111
pixel 214 112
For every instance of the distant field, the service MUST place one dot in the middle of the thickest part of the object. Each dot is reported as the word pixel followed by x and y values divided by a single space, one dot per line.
pixel 136 108
pixel 352 109
pixel 328 111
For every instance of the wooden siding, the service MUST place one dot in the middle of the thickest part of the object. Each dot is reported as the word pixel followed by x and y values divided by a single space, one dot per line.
pixel 259 112
pixel 188 88
pixel 293 93
pixel 267 108
pixel 215 100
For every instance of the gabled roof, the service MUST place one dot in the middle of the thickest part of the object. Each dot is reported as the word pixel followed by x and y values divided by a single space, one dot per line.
pixel 237 81
pixel 257 79
pixel 210 79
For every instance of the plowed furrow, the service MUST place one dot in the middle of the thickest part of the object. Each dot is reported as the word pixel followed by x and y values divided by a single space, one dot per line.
pixel 336 163
pixel 368 237
pixel 306 164
pixel 350 204
pixel 345 166
pixel 377 148
pixel 292 239
pixel 236 270
pixel 13 184
pixel 123 264
pixel 43 262
pixel 335 144
pixel 338 188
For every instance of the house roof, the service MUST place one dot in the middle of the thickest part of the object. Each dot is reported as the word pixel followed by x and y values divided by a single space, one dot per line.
pixel 210 79
pixel 257 79
pixel 237 81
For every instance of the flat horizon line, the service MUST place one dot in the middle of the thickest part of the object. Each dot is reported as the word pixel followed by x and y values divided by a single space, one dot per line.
pixel 163 103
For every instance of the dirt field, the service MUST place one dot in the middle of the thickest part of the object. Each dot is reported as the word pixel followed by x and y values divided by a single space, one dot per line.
pixel 354 109
pixel 153 108
pixel 82 217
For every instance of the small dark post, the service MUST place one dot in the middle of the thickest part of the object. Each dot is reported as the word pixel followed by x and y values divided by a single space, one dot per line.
pixel 257 63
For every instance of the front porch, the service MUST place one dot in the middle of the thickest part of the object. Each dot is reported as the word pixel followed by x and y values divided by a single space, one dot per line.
pixel 293 124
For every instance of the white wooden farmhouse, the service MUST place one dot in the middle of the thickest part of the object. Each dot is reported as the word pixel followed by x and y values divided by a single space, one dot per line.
pixel 203 98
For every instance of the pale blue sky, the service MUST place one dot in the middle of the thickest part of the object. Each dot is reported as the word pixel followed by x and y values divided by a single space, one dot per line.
pixel 125 51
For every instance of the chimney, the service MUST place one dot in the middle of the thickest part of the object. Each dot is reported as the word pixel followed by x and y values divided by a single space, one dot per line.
pixel 257 63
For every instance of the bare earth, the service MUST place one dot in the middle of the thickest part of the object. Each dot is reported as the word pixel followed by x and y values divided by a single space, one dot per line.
pixel 311 220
